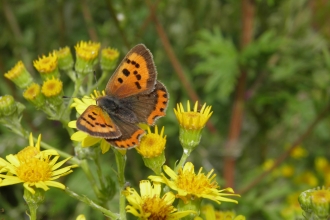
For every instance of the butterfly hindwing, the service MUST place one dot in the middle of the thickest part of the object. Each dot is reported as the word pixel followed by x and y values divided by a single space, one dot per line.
pixel 135 74
pixel 149 107
pixel 131 134
pixel 97 123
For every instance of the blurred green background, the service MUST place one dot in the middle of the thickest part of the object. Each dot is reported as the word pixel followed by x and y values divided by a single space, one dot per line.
pixel 263 65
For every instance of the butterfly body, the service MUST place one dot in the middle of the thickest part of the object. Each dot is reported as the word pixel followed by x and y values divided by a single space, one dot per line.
pixel 133 95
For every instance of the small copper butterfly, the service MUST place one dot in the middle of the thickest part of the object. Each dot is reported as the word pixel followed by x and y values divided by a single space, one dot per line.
pixel 133 95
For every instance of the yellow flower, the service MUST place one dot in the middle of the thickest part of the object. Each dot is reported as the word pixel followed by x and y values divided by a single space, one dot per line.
pixel 33 95
pixel 152 144
pixel 189 185
pixel 81 217
pixel 193 119
pixel 34 168
pixel 298 152
pixel 19 75
pixel 87 50
pixel 150 205
pixel 307 177
pixel 52 89
pixel 191 124
pixel 47 66
pixel 315 203
pixel 65 60
pixel 152 148
pixel 287 170
pixel 80 136
pixel 109 59
pixel 86 53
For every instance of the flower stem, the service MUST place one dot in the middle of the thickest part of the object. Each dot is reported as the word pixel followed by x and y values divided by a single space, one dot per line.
pixel 185 155
pixel 121 162
pixel 92 204
pixel 104 75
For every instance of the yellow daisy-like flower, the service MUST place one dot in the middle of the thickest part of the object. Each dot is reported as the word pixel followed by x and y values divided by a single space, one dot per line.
pixel 150 205
pixel 19 75
pixel 109 59
pixel 315 203
pixel 193 119
pixel 80 136
pixel 33 95
pixel 52 89
pixel 299 152
pixel 34 168
pixel 189 185
pixel 87 50
pixel 152 144
pixel 152 148
pixel 191 124
pixel 47 66
pixel 87 53
pixel 65 60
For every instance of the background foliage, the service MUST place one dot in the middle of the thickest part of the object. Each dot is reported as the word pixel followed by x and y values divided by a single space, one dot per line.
pixel 279 76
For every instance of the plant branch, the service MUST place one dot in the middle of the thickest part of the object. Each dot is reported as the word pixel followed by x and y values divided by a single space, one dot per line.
pixel 248 10
pixel 282 157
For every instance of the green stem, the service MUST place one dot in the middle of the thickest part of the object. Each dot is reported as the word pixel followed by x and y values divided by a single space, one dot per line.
pixel 99 168
pixel 74 95
pixel 92 204
pixel 104 76
pixel 185 155
pixel 121 162
pixel 33 212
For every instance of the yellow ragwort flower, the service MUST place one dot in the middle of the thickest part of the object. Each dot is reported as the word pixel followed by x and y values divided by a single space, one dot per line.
pixel 65 60
pixel 298 152
pixel 33 94
pixel 86 54
pixel 315 203
pixel 152 148
pixel 87 50
pixel 189 185
pixel 307 177
pixel 191 124
pixel 19 75
pixel 109 59
pixel 33 168
pixel 47 66
pixel 150 205
pixel 152 144
pixel 52 87
pixel 193 119
pixel 80 136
